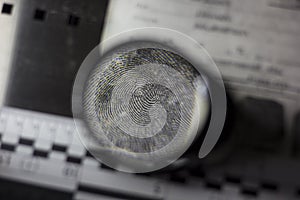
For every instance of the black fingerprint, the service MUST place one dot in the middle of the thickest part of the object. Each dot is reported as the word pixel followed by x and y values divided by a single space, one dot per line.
pixel 140 103
pixel 142 99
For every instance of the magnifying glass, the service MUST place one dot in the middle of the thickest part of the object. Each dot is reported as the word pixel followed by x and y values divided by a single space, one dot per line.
pixel 142 97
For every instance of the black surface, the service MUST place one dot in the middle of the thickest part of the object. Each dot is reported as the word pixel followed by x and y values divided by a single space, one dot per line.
pixel 111 194
pixel 10 190
pixel 7 8
pixel 296 132
pixel 39 14
pixel 261 124
pixel 60 148
pixel 27 142
pixel 40 153
pixel 8 147
pixel 73 159
pixel 53 38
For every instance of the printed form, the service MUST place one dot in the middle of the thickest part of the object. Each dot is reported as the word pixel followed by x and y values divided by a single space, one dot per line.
pixel 255 44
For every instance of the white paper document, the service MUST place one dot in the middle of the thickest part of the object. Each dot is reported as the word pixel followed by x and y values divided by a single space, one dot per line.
pixel 254 43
